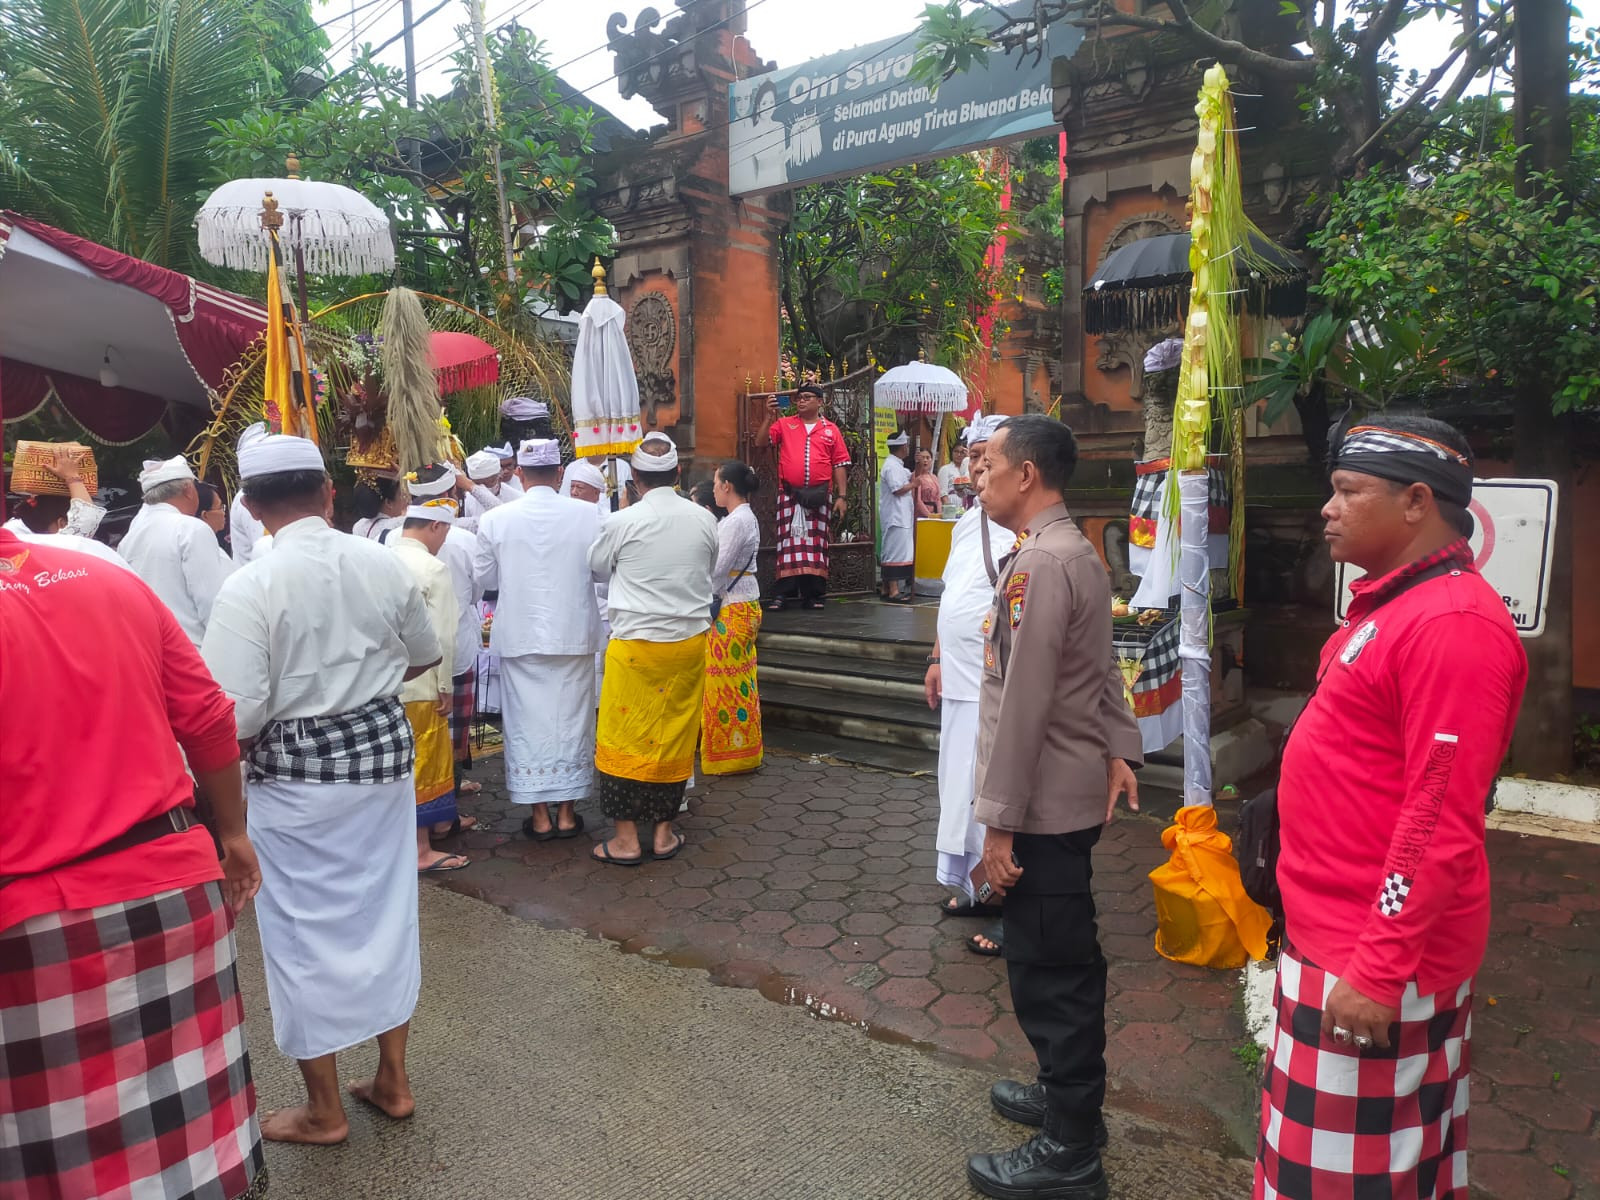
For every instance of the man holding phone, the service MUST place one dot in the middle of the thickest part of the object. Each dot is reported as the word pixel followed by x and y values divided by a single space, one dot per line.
pixel 812 459
pixel 1057 745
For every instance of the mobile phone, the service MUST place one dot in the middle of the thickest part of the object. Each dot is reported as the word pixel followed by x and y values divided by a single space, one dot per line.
pixel 982 889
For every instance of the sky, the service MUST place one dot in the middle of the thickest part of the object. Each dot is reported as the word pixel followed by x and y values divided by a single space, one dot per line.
pixel 789 31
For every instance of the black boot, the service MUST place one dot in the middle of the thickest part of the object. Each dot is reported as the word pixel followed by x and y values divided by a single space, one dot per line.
pixel 1025 1104
pixel 1060 1162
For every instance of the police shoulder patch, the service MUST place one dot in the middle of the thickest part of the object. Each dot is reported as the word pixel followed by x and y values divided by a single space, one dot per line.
pixel 1016 595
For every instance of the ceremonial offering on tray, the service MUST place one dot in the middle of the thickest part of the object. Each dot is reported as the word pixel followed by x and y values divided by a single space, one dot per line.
pixel 30 469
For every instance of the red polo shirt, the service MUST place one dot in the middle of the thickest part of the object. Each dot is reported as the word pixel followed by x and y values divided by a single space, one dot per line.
pixel 805 458
pixel 1381 799
pixel 99 687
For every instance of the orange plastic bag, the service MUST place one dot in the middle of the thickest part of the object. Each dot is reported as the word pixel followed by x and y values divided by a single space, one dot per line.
pixel 1205 918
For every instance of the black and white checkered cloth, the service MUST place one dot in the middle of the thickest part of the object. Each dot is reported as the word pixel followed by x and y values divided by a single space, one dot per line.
pixel 1148 486
pixel 1396 887
pixel 1156 654
pixel 1368 439
pixel 370 744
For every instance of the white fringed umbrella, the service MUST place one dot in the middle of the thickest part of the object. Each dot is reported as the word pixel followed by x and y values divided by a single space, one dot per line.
pixel 605 390
pixel 920 387
pixel 328 228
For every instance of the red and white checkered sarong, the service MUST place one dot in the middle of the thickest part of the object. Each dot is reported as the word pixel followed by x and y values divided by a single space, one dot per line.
pixel 125 1068
pixel 801 556
pixel 1338 1123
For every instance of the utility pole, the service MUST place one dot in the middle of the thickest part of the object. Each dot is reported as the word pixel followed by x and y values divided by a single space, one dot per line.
pixel 1543 448
pixel 413 151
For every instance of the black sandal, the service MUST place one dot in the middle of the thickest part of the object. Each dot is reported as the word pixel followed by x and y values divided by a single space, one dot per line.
pixel 455 827
pixel 538 835
pixel 773 606
pixel 992 951
pixel 673 853
pixel 577 828
pixel 602 853
pixel 815 605
pixel 964 906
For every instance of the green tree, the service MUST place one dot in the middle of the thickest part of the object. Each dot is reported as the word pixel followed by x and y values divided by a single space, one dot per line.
pixel 890 263
pixel 429 168
pixel 106 109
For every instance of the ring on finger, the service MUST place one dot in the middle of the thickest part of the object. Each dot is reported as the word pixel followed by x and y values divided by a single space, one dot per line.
pixel 1342 1035
pixel 1363 1042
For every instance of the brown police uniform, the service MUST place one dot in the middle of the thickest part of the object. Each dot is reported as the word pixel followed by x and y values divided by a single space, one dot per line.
pixel 1052 714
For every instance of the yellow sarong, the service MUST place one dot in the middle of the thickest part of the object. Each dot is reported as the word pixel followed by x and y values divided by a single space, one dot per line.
pixel 650 709
pixel 436 760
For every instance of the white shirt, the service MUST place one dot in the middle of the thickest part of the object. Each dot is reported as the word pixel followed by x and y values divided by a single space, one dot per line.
pixel 658 555
pixel 738 540
pixel 244 531
pixel 968 595
pixel 373 528
pixel 479 501
pixel 947 477
pixel 323 625
pixel 536 552
pixel 512 485
pixel 459 554
pixel 439 595
pixel 894 512
pixel 67 541
pixel 178 556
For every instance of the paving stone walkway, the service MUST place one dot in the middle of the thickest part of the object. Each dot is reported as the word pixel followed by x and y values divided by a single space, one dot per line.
pixel 814 883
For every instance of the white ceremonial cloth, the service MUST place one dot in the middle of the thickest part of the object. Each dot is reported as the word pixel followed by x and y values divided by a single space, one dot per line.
pixel 895 512
pixel 67 541
pixel 549 726
pixel 947 477
pixel 535 552
pixel 178 556
pixel 899 544
pixel 658 555
pixel 960 839
pixel 439 596
pixel 479 501
pixel 512 485
pixel 323 625
pixel 459 554
pixel 244 531
pixel 337 910
pixel 967 597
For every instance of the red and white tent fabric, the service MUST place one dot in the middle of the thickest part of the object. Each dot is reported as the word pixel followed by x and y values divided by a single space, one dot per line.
pixel 69 306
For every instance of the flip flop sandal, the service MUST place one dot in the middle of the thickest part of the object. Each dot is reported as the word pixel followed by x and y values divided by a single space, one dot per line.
pixel 455 827
pixel 577 828
pixel 470 787
pixel 439 868
pixel 968 908
pixel 535 835
pixel 673 853
pixel 602 853
pixel 991 951
pixel 815 605
pixel 773 606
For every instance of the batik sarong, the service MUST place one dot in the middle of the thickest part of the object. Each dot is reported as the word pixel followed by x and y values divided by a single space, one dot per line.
pixel 649 724
pixel 1337 1120
pixel 730 736
pixel 435 778
pixel 125 1067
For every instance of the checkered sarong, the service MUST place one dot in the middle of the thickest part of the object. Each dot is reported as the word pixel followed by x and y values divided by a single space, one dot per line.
pixel 1160 681
pixel 1150 481
pixel 463 689
pixel 370 744
pixel 1348 1123
pixel 801 556
pixel 123 1068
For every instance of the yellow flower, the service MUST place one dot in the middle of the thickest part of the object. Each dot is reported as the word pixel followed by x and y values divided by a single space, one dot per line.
pixel 1432 291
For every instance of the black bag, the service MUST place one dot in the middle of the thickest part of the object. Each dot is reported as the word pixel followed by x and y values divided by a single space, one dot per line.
pixel 716 601
pixel 815 496
pixel 1258 840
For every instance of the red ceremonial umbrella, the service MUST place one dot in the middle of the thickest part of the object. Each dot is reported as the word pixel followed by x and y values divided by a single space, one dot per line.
pixel 462 361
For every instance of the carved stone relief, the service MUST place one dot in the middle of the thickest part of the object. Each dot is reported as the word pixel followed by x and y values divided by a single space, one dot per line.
pixel 652 335
pixel 1140 225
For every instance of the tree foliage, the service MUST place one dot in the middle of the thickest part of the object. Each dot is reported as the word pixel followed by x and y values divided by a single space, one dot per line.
pixel 429 167
pixel 106 109
pixel 890 264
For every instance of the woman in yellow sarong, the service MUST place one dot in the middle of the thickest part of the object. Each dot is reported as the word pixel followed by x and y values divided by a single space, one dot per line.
pixel 731 723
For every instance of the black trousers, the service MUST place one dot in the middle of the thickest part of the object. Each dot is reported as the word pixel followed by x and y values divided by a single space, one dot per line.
pixel 1056 970
pixel 802 587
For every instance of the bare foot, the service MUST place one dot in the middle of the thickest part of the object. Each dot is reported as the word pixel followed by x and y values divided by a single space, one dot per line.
pixel 298 1125
pixel 395 1102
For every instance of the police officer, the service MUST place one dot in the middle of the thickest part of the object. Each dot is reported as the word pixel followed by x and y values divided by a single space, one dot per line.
pixel 1057 744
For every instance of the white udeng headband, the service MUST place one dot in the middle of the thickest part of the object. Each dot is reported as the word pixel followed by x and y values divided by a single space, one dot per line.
pixel 437 510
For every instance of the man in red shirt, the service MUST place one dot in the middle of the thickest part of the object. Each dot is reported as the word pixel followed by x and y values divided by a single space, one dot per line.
pixel 811 455
pixel 1381 800
pixel 121 1024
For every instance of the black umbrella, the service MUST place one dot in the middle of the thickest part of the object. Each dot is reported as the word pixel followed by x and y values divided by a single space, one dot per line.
pixel 1144 286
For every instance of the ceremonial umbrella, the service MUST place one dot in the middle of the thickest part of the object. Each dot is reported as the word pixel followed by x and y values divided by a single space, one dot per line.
pixel 922 388
pixel 462 361
pixel 329 228
pixel 1145 285
pixel 605 391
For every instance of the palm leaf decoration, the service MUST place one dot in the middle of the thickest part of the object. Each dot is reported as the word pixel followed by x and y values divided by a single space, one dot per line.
pixel 106 109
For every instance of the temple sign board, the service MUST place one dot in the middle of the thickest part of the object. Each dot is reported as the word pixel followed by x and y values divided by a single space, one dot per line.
pixel 1515 525
pixel 858 111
